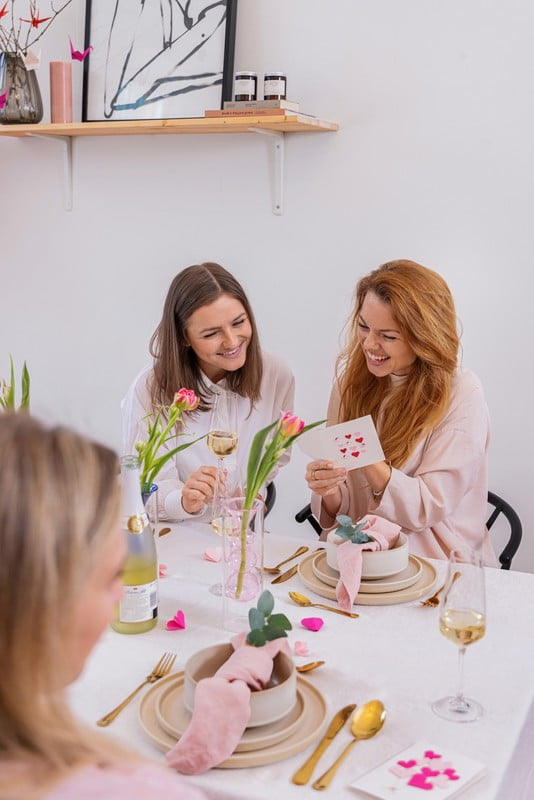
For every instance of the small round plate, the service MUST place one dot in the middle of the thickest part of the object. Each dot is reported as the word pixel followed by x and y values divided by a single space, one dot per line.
pixel 312 724
pixel 174 718
pixel 394 583
pixel 425 584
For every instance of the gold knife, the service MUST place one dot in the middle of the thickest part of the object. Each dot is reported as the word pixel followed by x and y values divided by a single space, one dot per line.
pixel 303 774
pixel 285 576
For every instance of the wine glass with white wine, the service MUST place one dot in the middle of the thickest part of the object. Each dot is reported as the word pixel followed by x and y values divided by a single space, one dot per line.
pixel 462 621
pixel 222 441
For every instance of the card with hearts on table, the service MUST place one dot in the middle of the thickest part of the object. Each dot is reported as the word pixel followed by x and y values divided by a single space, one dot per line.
pixel 350 444
pixel 419 770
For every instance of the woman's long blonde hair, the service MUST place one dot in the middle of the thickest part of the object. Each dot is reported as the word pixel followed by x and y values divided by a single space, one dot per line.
pixel 59 504
pixel 423 308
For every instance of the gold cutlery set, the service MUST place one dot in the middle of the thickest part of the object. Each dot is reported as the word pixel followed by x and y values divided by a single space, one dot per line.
pixel 365 723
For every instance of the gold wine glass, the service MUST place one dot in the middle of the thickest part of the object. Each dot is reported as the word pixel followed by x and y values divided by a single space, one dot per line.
pixel 463 622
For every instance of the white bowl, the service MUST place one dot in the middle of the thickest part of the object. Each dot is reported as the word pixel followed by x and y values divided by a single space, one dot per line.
pixel 266 705
pixel 375 563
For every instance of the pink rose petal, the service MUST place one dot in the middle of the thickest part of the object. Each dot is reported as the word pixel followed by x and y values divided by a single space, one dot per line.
pixel 177 623
pixel 301 649
pixel 163 570
pixel 312 623
pixel 213 554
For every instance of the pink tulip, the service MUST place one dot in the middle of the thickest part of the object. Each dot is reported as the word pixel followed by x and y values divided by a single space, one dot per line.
pixel 186 400
pixel 290 425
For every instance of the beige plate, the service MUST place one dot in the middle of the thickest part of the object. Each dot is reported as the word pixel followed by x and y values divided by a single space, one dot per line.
pixel 422 586
pixel 311 725
pixel 394 583
pixel 174 718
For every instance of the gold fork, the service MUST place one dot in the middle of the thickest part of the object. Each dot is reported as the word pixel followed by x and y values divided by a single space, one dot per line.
pixel 434 600
pixel 162 668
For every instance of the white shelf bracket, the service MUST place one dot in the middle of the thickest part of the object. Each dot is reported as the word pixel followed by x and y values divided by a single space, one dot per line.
pixel 278 146
pixel 66 146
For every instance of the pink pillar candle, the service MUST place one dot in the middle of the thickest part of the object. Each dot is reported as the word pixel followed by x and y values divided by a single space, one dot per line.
pixel 60 91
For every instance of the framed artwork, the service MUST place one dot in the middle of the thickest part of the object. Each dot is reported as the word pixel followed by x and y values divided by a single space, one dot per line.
pixel 157 59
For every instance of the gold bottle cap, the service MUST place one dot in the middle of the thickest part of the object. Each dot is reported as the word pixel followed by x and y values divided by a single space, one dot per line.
pixel 136 524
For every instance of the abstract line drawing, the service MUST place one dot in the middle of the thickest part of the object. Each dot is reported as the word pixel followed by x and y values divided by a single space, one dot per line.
pixel 157 59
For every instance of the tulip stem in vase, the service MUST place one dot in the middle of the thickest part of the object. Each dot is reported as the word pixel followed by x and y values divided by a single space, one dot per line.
pixel 262 460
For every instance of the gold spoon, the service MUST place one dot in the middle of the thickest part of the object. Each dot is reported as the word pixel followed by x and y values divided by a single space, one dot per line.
pixel 302 600
pixel 299 552
pixel 310 666
pixel 434 600
pixel 366 721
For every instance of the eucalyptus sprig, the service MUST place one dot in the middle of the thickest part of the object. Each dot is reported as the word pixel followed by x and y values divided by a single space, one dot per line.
pixel 353 533
pixel 7 390
pixel 264 625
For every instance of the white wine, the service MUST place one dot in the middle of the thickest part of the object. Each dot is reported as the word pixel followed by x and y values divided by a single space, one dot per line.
pixel 222 523
pixel 137 610
pixel 222 443
pixel 462 627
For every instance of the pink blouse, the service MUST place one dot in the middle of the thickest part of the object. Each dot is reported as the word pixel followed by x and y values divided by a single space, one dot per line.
pixel 439 496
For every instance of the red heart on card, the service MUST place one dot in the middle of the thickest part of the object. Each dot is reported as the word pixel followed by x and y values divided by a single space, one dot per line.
pixel 419 780
pixel 348 435
pixel 411 763
pixel 431 754
pixel 342 449
pixel 355 453
pixel 360 439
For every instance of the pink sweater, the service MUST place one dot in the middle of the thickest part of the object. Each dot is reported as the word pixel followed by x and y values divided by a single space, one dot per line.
pixel 439 496
pixel 139 781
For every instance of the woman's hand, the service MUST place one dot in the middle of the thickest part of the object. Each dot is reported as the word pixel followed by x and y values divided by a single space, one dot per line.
pixel 199 489
pixel 324 479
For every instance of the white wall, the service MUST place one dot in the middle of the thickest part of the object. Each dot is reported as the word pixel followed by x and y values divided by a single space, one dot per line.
pixel 433 162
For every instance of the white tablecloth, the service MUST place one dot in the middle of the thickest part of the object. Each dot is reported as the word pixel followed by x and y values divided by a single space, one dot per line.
pixel 394 653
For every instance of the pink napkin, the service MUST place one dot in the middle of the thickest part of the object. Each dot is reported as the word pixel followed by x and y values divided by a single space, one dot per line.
pixel 222 707
pixel 349 556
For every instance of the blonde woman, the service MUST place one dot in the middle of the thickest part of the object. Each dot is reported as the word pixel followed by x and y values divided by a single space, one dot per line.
pixel 401 366
pixel 60 577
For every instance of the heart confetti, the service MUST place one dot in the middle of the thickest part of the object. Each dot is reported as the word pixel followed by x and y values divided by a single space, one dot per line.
pixel 177 623
pixel 312 623
pixel 163 570
pixel 213 554
pixel 301 649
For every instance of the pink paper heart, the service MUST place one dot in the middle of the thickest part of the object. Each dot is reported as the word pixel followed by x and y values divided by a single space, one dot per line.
pixel 177 623
pixel 431 754
pixel 451 774
pixel 213 554
pixel 163 568
pixel 419 780
pixel 400 772
pixel 301 649
pixel 411 763
pixel 441 781
pixel 312 623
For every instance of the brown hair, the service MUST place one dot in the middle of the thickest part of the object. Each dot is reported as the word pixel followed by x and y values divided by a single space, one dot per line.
pixel 59 505
pixel 423 307
pixel 176 364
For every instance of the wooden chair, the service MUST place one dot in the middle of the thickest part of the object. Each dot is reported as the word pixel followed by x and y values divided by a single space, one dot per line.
pixel 500 506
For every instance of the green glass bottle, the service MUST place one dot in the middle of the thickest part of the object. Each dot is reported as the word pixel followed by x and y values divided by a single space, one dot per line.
pixel 137 611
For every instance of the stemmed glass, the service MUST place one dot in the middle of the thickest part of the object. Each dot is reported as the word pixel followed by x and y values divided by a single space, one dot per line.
pixel 463 622
pixel 222 441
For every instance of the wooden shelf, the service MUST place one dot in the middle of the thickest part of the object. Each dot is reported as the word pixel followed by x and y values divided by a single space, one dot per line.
pixel 287 123
pixel 275 127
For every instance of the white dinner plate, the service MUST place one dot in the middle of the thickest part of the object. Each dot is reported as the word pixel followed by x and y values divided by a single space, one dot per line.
pixel 393 583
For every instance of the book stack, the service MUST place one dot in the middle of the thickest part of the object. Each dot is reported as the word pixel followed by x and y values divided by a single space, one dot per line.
pixel 255 108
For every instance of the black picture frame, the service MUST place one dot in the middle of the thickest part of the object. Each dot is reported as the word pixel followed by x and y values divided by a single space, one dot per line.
pixel 172 60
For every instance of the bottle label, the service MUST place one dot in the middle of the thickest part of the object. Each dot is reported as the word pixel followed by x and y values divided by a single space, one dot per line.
pixel 277 87
pixel 245 86
pixel 139 603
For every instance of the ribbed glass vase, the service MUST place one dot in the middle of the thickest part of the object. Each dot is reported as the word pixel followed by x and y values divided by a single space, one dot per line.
pixel 19 88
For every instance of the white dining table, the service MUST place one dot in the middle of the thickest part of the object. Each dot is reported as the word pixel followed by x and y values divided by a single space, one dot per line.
pixel 394 653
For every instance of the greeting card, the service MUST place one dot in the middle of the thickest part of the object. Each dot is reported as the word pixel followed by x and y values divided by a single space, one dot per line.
pixel 421 771
pixel 350 444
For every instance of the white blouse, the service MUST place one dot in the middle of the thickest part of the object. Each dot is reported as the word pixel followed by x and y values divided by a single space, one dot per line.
pixel 276 396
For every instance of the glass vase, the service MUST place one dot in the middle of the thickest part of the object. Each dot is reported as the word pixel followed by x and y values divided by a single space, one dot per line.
pixel 242 560
pixel 22 102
